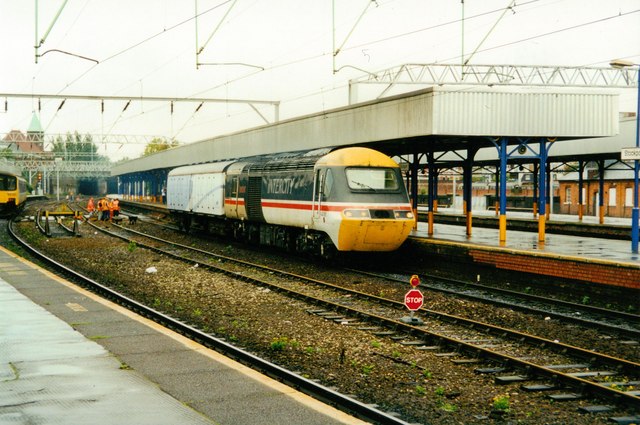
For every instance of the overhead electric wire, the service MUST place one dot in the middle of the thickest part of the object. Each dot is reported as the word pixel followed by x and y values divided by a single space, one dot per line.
pixel 164 31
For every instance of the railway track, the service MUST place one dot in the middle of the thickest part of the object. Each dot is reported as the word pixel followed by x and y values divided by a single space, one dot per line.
pixel 625 325
pixel 575 371
pixel 295 380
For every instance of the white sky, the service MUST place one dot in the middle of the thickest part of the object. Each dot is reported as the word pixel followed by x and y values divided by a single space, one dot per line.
pixel 147 48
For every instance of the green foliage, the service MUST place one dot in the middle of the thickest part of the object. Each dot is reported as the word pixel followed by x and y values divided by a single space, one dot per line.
pixel 586 299
pixel 74 147
pixel 158 145
pixel 132 246
pixel 426 373
pixel 448 407
pixel 420 390
pixel 501 402
pixel 376 344
pixel 279 344
pixel 367 369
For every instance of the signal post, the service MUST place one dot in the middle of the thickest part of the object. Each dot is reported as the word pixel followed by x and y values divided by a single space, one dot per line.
pixel 413 300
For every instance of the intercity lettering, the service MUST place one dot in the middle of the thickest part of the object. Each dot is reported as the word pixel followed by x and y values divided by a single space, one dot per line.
pixel 280 186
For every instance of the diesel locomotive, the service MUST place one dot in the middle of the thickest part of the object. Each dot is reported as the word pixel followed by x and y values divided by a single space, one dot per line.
pixel 320 201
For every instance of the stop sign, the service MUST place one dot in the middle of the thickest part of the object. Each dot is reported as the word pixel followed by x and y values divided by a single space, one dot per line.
pixel 413 299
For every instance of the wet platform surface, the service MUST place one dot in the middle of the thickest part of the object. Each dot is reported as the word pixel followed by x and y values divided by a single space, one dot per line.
pixel 574 246
pixel 67 357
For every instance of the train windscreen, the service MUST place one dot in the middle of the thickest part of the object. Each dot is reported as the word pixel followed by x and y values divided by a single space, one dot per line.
pixel 372 179
pixel 7 182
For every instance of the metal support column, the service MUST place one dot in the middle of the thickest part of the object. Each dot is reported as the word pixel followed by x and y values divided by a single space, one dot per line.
pixel 549 199
pixel 433 184
pixel 535 194
pixel 436 177
pixel 543 189
pixel 497 201
pixel 467 178
pixel 414 166
pixel 502 151
pixel 601 191
pixel 580 189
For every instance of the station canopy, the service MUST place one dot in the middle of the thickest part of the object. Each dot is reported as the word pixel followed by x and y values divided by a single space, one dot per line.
pixel 436 119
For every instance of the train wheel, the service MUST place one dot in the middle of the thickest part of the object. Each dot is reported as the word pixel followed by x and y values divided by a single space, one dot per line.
pixel 186 223
pixel 328 251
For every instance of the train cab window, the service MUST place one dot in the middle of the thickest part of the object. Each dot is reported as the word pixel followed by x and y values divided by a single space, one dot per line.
pixel 7 183
pixel 328 183
pixel 372 179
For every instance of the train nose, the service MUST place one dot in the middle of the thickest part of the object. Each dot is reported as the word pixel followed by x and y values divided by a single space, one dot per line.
pixel 373 234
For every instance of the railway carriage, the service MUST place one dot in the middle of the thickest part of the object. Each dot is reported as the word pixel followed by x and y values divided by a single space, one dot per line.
pixel 13 192
pixel 350 199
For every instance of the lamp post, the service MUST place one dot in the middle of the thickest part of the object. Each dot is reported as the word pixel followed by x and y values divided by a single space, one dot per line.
pixel 618 63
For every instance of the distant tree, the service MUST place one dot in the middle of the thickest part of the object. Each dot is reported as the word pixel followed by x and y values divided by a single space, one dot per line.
pixel 74 147
pixel 6 153
pixel 158 145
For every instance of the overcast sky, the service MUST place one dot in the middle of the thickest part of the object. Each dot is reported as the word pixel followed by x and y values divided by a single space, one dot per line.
pixel 277 50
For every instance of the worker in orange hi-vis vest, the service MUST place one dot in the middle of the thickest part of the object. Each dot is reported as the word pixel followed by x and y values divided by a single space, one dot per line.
pixel 90 206
pixel 110 206
pixel 116 207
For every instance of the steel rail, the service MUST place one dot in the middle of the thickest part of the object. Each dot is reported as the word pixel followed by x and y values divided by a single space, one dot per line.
pixel 529 368
pixel 294 380
pixel 634 333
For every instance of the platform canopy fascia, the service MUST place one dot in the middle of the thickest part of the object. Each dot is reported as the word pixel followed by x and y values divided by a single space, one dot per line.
pixel 441 117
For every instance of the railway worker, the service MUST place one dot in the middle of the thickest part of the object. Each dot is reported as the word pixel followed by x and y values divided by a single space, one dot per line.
pixel 104 209
pixel 116 207
pixel 110 208
pixel 90 206
pixel 100 208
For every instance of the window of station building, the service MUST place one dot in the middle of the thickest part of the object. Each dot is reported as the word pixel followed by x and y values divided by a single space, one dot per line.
pixel 567 195
pixel 628 197
pixel 612 196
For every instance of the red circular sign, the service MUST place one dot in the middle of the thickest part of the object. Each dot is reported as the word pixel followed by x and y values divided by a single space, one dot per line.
pixel 414 281
pixel 413 299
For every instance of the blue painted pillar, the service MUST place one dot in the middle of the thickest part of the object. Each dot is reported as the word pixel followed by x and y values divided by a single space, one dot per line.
pixel 549 191
pixel 503 189
pixel 543 189
pixel 535 195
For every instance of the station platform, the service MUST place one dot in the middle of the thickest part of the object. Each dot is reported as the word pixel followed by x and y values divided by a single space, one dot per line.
pixel 69 357
pixel 575 246
pixel 594 260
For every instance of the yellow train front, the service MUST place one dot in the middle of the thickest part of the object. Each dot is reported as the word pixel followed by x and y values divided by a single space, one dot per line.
pixel 13 192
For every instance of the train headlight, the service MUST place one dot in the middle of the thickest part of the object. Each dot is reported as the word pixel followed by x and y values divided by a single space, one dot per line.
pixel 356 213
pixel 404 214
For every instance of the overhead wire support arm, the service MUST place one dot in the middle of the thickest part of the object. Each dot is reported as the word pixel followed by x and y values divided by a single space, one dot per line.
pixel 337 50
pixel 40 41
pixel 199 49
